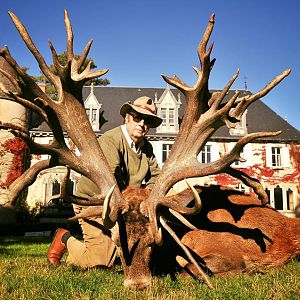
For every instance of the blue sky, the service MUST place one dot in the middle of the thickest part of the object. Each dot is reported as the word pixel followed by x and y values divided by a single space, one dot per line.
pixel 139 40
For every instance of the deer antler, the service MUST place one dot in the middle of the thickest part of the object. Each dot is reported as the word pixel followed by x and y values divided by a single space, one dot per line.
pixel 204 114
pixel 61 115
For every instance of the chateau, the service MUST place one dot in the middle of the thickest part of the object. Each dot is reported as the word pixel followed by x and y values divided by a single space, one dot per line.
pixel 274 161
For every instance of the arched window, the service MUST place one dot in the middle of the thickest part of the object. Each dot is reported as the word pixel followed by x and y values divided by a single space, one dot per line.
pixel 268 193
pixel 290 199
pixel 55 188
pixel 70 186
pixel 278 197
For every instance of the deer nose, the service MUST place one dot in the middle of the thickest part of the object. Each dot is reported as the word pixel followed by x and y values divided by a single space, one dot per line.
pixel 140 283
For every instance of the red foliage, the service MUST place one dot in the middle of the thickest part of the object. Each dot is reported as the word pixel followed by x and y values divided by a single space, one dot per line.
pixel 17 147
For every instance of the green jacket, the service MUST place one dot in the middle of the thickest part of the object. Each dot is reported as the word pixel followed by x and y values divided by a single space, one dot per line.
pixel 128 167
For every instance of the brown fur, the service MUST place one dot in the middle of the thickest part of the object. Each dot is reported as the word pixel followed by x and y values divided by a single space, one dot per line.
pixel 236 234
pixel 135 239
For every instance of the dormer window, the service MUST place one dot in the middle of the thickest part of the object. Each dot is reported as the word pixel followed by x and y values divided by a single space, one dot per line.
pixel 171 117
pixel 163 115
pixel 240 127
pixel 167 109
pixel 92 108
pixel 94 116
pixel 88 112
pixel 168 116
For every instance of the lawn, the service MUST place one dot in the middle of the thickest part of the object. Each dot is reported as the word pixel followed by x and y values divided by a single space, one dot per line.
pixel 25 274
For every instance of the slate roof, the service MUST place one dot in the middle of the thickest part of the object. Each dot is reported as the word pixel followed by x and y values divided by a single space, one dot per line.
pixel 259 117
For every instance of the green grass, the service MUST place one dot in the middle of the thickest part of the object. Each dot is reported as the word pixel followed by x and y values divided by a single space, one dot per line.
pixel 25 274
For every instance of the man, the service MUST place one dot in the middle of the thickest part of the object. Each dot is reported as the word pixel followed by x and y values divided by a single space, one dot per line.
pixel 132 161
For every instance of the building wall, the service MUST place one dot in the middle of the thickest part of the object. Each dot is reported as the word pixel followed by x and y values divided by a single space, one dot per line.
pixel 12 149
pixel 282 183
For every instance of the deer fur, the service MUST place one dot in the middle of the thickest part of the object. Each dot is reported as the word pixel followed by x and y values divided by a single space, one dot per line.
pixel 236 234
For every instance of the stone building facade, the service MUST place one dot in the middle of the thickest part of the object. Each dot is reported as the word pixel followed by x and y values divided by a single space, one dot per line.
pixel 275 161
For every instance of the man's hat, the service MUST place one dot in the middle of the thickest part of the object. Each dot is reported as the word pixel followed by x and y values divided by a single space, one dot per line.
pixel 144 106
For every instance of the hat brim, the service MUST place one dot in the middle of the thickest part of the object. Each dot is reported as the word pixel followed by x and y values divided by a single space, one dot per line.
pixel 155 121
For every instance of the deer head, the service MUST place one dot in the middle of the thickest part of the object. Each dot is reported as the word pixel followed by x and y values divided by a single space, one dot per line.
pixel 138 215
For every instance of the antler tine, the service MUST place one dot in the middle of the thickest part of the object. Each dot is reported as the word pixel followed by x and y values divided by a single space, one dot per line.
pixel 34 88
pixel 244 102
pixel 183 209
pixel 70 36
pixel 26 103
pixel 14 82
pixel 26 179
pixel 164 223
pixel 30 45
pixel 251 182
pixel 222 95
pixel 202 53
pixel 84 53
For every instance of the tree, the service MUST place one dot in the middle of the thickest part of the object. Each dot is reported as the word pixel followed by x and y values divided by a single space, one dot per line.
pixel 62 58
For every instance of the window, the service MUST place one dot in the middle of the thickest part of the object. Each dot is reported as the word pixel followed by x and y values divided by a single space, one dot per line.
pixel 164 116
pixel 55 191
pixel 55 188
pixel 240 187
pixel 268 193
pixel 276 157
pixel 240 127
pixel 168 116
pixel 290 199
pixel 278 197
pixel 171 116
pixel 166 149
pixel 94 115
pixel 205 154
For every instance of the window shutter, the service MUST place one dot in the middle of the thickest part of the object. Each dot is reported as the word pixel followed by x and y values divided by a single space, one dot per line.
pixel 285 156
pixel 215 155
pixel 248 155
pixel 268 156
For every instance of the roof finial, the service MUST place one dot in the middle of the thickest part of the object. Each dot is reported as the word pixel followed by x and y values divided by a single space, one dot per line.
pixel 245 82
pixel 92 88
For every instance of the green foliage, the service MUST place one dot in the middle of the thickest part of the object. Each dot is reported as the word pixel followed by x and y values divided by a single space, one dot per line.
pixel 50 90
pixel 25 274
pixel 24 213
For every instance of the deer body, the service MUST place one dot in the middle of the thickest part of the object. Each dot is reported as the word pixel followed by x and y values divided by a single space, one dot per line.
pixel 236 234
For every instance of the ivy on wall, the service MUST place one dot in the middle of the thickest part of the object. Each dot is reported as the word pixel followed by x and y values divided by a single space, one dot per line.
pixel 17 147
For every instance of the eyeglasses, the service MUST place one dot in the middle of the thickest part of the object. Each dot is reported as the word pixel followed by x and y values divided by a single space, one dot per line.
pixel 138 117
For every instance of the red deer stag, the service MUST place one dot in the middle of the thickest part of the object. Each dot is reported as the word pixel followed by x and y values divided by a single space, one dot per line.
pixel 136 216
